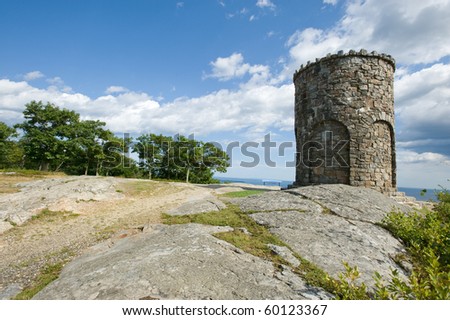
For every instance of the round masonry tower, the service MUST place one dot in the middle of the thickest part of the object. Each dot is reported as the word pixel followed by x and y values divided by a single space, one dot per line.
pixel 344 121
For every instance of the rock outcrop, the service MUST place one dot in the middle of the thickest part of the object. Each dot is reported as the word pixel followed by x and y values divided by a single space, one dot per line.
pixel 175 262
pixel 54 194
pixel 204 204
pixel 325 224
pixel 332 224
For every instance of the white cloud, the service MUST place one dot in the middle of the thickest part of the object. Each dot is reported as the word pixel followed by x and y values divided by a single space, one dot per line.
pixel 422 170
pixel 253 109
pixel 423 103
pixel 115 89
pixel 231 67
pixel 409 156
pixel 57 81
pixel 14 95
pixel 265 4
pixel 412 31
pixel 57 84
pixel 332 2
pixel 33 75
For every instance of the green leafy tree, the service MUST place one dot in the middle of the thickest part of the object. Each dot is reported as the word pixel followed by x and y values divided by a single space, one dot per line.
pixel 154 154
pixel 89 138
pixel 46 134
pixel 197 161
pixel 179 158
pixel 117 160
pixel 11 153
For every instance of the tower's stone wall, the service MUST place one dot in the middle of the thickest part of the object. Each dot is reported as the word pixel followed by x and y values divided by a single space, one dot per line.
pixel 344 121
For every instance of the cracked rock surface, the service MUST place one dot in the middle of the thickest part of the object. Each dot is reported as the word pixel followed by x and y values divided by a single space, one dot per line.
pixel 325 225
pixel 345 230
pixel 175 262
pixel 206 204
pixel 55 194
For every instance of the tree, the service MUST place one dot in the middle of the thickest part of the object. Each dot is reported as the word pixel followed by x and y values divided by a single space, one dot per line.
pixel 197 161
pixel 154 155
pixel 10 151
pixel 46 134
pixel 89 137
pixel 117 160
pixel 179 158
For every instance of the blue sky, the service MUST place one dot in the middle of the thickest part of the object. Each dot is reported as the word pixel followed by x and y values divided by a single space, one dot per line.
pixel 223 69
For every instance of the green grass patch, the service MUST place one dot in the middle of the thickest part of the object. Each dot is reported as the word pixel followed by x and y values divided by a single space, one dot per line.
pixel 254 242
pixel 27 172
pixel 49 273
pixel 231 216
pixel 242 194
pixel 51 216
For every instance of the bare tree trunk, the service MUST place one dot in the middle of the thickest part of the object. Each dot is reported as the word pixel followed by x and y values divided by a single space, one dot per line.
pixel 44 166
pixel 187 175
pixel 59 166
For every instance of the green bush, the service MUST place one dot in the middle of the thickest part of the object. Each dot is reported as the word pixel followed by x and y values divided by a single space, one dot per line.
pixel 426 232
pixel 426 235
pixel 347 288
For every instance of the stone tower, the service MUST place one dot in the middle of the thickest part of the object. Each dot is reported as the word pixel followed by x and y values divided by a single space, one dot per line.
pixel 344 121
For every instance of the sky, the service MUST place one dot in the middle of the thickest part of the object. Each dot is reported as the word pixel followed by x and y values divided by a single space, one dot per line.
pixel 221 70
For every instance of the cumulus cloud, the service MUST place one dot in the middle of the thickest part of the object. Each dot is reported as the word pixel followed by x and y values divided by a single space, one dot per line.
pixel 265 4
pixel 232 67
pixel 332 2
pixel 409 156
pixel 228 67
pixel 245 110
pixel 33 75
pixel 422 169
pixel 423 103
pixel 115 89
pixel 414 32
pixel 57 84
pixel 14 95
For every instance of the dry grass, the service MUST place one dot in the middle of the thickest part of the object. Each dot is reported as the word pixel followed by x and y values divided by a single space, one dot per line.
pixel 8 182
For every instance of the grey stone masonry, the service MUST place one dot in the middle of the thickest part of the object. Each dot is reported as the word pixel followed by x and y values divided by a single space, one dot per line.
pixel 344 121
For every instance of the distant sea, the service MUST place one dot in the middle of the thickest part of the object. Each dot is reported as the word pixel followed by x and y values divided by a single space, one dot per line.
pixel 412 192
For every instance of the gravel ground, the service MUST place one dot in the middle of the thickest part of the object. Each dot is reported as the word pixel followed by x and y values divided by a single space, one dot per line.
pixel 85 211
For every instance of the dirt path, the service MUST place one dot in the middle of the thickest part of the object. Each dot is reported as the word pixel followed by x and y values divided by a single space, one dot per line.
pixel 55 237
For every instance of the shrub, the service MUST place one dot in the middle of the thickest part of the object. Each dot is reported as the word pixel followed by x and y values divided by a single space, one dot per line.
pixel 426 235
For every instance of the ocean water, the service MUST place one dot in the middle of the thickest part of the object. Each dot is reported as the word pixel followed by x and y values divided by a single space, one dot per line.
pixel 411 192
pixel 430 194
pixel 258 182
